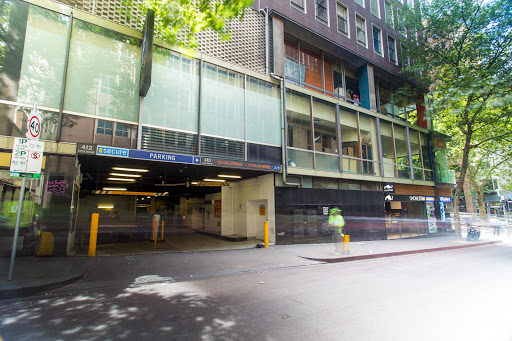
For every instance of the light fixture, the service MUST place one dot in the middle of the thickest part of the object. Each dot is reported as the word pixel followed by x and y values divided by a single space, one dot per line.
pixel 121 179
pixel 148 197
pixel 229 176
pixel 214 180
pixel 114 189
pixel 127 175
pixel 194 183
pixel 130 169
pixel 106 206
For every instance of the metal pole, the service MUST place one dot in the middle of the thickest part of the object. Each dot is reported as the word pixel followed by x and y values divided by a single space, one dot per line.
pixel 17 228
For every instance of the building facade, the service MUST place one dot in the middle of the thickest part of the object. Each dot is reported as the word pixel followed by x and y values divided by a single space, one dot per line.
pixel 299 112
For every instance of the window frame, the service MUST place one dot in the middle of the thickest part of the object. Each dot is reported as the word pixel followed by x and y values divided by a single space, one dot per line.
pixel 365 31
pixel 381 52
pixel 390 21
pixel 394 49
pixel 347 16
pixel 326 21
pixel 101 129
pixel 297 6
pixel 378 15
pixel 362 4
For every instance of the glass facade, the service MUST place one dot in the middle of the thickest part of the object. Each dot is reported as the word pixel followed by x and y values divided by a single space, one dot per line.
pixel 173 104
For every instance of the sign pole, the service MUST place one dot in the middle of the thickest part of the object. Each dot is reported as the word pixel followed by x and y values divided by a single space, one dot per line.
pixel 17 228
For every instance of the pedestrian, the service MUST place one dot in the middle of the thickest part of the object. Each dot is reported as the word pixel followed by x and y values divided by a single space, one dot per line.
pixel 496 224
pixel 336 222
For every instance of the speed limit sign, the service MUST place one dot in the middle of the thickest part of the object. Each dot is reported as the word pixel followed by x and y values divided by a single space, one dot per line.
pixel 34 125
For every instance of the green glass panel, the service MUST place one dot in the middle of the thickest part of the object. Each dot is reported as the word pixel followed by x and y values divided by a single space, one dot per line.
pixel 263 112
pixel 223 113
pixel 173 98
pixel 300 159
pixel 103 73
pixel 44 55
pixel 327 162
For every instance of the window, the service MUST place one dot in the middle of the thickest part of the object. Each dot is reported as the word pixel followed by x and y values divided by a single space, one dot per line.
pixel 377 40
pixel 104 127
pixel 374 8
pixel 299 3
pixel 388 12
pixel 121 130
pixel 405 57
pixel 360 2
pixel 342 15
pixel 392 49
pixel 361 30
pixel 321 10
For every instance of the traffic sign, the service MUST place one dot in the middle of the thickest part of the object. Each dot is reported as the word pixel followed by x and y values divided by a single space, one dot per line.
pixel 34 125
pixel 27 158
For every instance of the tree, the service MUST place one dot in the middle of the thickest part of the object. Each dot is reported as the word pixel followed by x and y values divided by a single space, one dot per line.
pixel 178 21
pixel 461 50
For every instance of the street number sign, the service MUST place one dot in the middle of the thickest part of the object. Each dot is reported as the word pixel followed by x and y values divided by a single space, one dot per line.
pixel 27 158
pixel 34 125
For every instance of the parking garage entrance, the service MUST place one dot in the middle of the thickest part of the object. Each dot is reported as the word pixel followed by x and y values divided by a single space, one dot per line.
pixel 158 206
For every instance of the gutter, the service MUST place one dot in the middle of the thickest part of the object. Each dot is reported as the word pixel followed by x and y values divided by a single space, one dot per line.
pixel 267 40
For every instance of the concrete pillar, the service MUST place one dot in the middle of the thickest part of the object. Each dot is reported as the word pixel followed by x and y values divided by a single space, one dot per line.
pixel 367 87
pixel 278 46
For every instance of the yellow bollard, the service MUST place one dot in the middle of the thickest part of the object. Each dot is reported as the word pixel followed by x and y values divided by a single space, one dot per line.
pixel 162 233
pixel 346 245
pixel 266 234
pixel 93 237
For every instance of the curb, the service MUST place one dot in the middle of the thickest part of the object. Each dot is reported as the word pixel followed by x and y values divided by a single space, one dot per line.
pixel 394 254
pixel 32 290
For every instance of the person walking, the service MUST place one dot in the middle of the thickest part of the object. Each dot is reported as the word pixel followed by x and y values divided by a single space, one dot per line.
pixel 496 224
pixel 336 222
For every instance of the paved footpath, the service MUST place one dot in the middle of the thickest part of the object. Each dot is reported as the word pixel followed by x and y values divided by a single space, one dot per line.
pixel 62 274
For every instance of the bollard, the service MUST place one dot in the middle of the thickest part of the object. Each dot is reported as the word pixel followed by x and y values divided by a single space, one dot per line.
pixel 162 232
pixel 266 234
pixel 346 244
pixel 93 237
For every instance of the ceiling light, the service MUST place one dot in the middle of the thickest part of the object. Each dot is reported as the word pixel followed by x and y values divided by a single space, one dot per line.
pixel 193 183
pixel 130 169
pixel 114 189
pixel 121 179
pixel 106 206
pixel 229 176
pixel 127 175
pixel 214 180
pixel 148 197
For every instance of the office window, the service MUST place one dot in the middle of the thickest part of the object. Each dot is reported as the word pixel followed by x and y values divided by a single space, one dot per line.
pixel 374 8
pixel 361 30
pixel 321 10
pixel 360 2
pixel 342 15
pixel 299 3
pixel 388 12
pixel 104 127
pixel 121 130
pixel 377 40
pixel 392 49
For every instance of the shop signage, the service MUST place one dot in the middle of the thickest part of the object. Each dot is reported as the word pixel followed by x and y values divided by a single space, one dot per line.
pixel 208 161
pixel 390 197
pixel 389 187
pixel 85 148
pixel 441 199
pixel 160 156
pixel 27 158
pixel 111 151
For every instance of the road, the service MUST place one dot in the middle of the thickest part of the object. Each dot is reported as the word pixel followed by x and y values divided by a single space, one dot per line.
pixel 451 295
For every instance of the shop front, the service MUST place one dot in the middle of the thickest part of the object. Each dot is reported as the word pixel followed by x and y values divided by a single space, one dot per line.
pixel 410 211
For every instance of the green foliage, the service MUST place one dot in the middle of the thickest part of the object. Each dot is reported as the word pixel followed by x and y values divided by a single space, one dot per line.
pixel 178 21
pixel 461 51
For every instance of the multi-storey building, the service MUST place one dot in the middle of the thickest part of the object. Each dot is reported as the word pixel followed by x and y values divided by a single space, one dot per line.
pixel 297 113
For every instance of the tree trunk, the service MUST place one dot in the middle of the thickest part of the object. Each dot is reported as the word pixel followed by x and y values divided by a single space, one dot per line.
pixel 460 183
pixel 481 203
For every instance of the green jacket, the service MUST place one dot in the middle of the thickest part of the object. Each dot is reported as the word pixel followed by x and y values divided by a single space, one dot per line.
pixel 337 222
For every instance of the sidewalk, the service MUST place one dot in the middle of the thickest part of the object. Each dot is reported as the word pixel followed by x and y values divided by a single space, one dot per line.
pixel 36 275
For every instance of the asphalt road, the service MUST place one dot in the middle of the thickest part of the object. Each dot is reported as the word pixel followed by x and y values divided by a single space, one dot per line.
pixel 452 295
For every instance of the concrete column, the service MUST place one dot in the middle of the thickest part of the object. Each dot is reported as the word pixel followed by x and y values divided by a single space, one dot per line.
pixel 367 87
pixel 278 46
